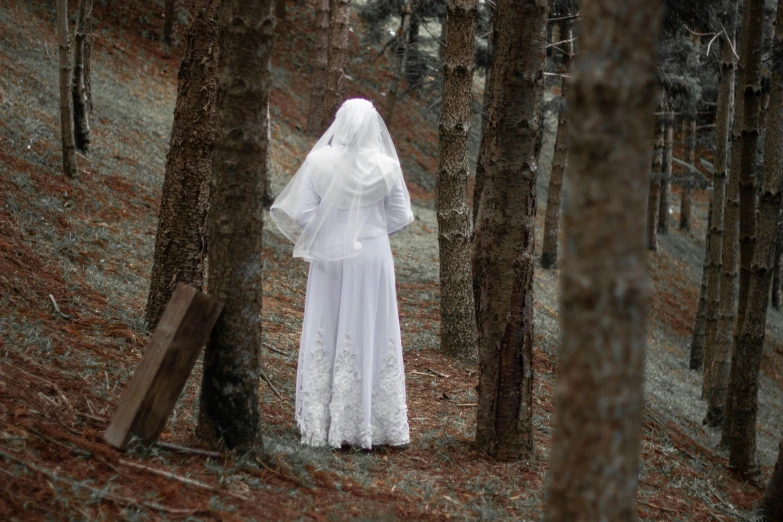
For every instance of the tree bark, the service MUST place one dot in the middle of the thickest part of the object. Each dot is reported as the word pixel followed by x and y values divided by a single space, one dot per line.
pixel 750 344
pixel 504 240
pixel 340 12
pixel 751 94
pixel 654 191
pixel 457 308
pixel 401 58
pixel 605 282
pixel 280 13
pixel 315 114
pixel 771 507
pixel 81 120
pixel 168 22
pixel 478 184
pixel 559 160
pixel 776 275
pixel 180 243
pixel 70 167
pixel 717 361
pixel 229 394
pixel 686 201
pixel 666 176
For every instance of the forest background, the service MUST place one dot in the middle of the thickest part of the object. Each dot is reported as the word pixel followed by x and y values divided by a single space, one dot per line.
pixel 86 244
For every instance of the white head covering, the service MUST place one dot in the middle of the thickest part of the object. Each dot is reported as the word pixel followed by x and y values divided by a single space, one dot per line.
pixel 352 166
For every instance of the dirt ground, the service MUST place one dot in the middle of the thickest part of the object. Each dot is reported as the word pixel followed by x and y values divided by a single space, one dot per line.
pixel 87 244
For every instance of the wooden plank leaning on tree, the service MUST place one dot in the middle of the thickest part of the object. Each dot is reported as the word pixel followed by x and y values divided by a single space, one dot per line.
pixel 154 389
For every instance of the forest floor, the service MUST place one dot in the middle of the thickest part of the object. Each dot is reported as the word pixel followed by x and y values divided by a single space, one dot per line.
pixel 87 243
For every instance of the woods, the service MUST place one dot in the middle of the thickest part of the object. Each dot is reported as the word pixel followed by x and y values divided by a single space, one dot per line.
pixel 524 261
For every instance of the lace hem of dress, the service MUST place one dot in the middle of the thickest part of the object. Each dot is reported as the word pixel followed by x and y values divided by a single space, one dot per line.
pixel 331 406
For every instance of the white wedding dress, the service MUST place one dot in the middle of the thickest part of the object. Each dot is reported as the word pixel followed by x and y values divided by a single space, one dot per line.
pixel 350 385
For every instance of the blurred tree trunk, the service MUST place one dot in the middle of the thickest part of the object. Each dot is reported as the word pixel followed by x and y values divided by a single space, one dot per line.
pixel 180 243
pixel 771 507
pixel 666 176
pixel 552 220
pixel 503 253
pixel 776 275
pixel 686 201
pixel 654 192
pixel 719 253
pixel 70 167
pixel 745 148
pixel 280 13
pixel 81 118
pixel 457 309
pixel 750 342
pixel 340 13
pixel 169 13
pixel 400 59
pixel 413 69
pixel 315 113
pixel 229 393
pixel 605 283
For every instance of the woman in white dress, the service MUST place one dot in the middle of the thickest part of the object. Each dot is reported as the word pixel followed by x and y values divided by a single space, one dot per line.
pixel 339 210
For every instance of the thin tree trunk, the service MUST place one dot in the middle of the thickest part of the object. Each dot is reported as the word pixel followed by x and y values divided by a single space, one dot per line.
pixel 699 338
pixel 666 176
pixel 81 118
pixel 654 191
pixel 686 201
pixel 340 13
pixel 771 507
pixel 180 243
pixel 457 309
pixel 168 22
pixel 280 13
pixel 717 357
pixel 504 241
pixel 751 94
pixel 315 114
pixel 605 282
pixel 229 393
pixel 750 344
pixel 66 102
pixel 401 58
pixel 552 220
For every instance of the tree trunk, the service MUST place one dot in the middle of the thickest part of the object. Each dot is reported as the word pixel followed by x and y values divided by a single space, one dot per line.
pixel 666 176
pixel 457 309
pixel 478 184
pixel 750 344
pixel 340 13
pixel 503 254
pixel 81 118
pixel 66 102
pixel 748 146
pixel 699 338
pixel 552 220
pixel 400 58
pixel 605 283
pixel 229 394
pixel 180 243
pixel 686 201
pixel 776 275
pixel 168 22
pixel 717 357
pixel 654 191
pixel 315 114
pixel 771 507
pixel 280 13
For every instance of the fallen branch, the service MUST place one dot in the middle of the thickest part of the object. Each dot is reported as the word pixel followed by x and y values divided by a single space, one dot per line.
pixel 276 350
pixel 466 404
pixel 173 476
pixel 660 508
pixel 272 386
pixel 99 493
pixel 416 372
pixel 57 308
pixel 185 449
pixel 438 373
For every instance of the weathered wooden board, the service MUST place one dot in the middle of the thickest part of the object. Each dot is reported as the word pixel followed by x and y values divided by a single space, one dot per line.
pixel 154 389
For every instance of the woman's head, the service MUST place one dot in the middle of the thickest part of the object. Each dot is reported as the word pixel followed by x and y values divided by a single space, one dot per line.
pixel 356 124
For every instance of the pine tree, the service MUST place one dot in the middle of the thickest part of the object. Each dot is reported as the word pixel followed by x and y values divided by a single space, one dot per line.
pixel 457 317
pixel 664 201
pixel 605 284
pixel 180 242
pixel 81 106
pixel 771 508
pixel 339 16
pixel 504 237
pixel 401 57
pixel 168 22
pixel 229 393
pixel 66 102
pixel 654 190
pixel 315 114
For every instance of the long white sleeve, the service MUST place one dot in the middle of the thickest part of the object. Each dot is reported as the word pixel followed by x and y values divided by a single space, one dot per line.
pixel 398 208
pixel 307 202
